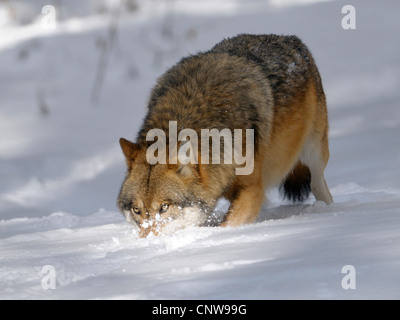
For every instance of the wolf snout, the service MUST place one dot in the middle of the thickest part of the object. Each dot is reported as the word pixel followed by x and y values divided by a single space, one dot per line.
pixel 151 226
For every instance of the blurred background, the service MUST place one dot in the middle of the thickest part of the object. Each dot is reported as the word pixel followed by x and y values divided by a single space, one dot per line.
pixel 75 77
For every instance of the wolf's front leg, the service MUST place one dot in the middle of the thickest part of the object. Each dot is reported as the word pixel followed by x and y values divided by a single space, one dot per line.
pixel 245 206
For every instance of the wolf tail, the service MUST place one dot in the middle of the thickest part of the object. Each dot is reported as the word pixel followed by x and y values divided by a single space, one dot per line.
pixel 297 185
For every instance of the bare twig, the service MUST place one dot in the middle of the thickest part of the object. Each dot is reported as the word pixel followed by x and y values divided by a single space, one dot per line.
pixel 43 106
pixel 106 52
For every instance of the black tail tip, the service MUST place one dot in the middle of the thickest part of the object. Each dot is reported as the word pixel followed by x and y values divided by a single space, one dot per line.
pixel 297 185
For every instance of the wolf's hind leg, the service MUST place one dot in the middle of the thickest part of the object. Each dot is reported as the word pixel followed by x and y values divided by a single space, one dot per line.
pixel 315 156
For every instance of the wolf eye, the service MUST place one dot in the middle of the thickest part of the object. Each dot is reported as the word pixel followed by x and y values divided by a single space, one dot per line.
pixel 164 207
pixel 135 210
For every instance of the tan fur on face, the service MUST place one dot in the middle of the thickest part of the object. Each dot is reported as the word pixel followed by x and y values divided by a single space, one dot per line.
pixel 147 187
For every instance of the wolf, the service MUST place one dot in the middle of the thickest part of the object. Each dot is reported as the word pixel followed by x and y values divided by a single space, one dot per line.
pixel 269 84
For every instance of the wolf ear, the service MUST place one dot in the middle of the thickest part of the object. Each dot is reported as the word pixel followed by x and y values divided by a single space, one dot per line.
pixel 128 148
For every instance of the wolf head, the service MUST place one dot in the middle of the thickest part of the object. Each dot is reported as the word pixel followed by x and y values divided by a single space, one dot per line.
pixel 161 196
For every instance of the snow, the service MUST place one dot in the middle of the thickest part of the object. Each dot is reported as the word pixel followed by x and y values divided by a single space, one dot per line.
pixel 61 166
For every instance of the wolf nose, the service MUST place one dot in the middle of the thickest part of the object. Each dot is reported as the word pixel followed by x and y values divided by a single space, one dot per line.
pixel 144 232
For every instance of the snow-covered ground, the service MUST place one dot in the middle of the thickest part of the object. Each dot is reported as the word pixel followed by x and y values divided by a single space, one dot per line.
pixel 61 167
